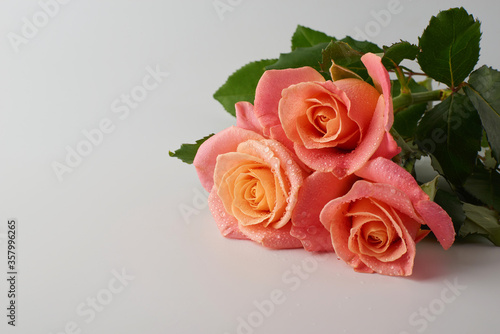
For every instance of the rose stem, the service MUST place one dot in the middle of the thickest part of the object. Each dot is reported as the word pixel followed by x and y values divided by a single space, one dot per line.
pixel 407 99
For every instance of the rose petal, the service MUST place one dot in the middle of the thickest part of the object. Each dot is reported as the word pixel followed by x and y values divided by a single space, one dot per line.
pixel 380 76
pixel 334 219
pixel 341 163
pixel 227 164
pixel 438 221
pixel 382 170
pixel 241 209
pixel 268 92
pixel 317 190
pixel 227 224
pixel 400 267
pixel 229 228
pixel 277 156
pixel 277 133
pixel 386 171
pixel 368 214
pixel 246 119
pixel 296 100
pixel 388 148
pixel 363 97
pixel 399 261
pixel 270 237
pixel 225 141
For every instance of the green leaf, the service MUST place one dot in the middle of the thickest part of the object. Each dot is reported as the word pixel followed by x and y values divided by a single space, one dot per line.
pixel 481 221
pixel 484 92
pixel 304 37
pixel 489 161
pixel 347 53
pixel 484 140
pixel 484 184
pixel 452 205
pixel 362 46
pixel 451 132
pixel 309 56
pixel 406 120
pixel 394 54
pixel 187 152
pixel 343 55
pixel 430 188
pixel 240 86
pixel 450 46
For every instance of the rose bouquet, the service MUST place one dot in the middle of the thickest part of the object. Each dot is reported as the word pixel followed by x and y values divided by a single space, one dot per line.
pixel 324 152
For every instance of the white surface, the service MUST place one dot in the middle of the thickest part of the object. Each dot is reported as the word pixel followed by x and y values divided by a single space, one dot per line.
pixel 120 208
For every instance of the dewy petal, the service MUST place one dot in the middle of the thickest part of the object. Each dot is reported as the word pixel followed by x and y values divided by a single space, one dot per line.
pixel 413 227
pixel 268 91
pixel 341 163
pixel 225 141
pixel 243 210
pixel 403 266
pixel 388 148
pixel 368 214
pixel 309 137
pixel 246 119
pixel 227 224
pixel 380 76
pixel 247 218
pixel 398 244
pixel 280 205
pixel 266 187
pixel 388 194
pixel 363 99
pixel 385 171
pixel 297 100
pixel 339 225
pixel 317 190
pixel 270 237
pixel 277 133
pixel 288 172
pixel 370 109
pixel 229 166
pixel 438 221
pixel 400 259
pixel 333 218
pixel 229 227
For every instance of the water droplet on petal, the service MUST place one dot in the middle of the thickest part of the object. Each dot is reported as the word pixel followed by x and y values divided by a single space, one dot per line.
pixel 312 230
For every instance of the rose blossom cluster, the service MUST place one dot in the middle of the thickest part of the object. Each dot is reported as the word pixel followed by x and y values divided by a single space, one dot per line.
pixel 308 166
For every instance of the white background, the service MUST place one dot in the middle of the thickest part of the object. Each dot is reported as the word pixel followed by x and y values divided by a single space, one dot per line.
pixel 120 209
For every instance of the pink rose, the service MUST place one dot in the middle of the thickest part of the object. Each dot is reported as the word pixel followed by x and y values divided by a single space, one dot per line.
pixel 334 126
pixel 374 227
pixel 253 184
pixel 263 118
pixel 317 190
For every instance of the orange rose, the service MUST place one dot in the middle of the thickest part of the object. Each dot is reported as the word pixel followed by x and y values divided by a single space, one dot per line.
pixel 374 227
pixel 254 189
pixel 338 126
